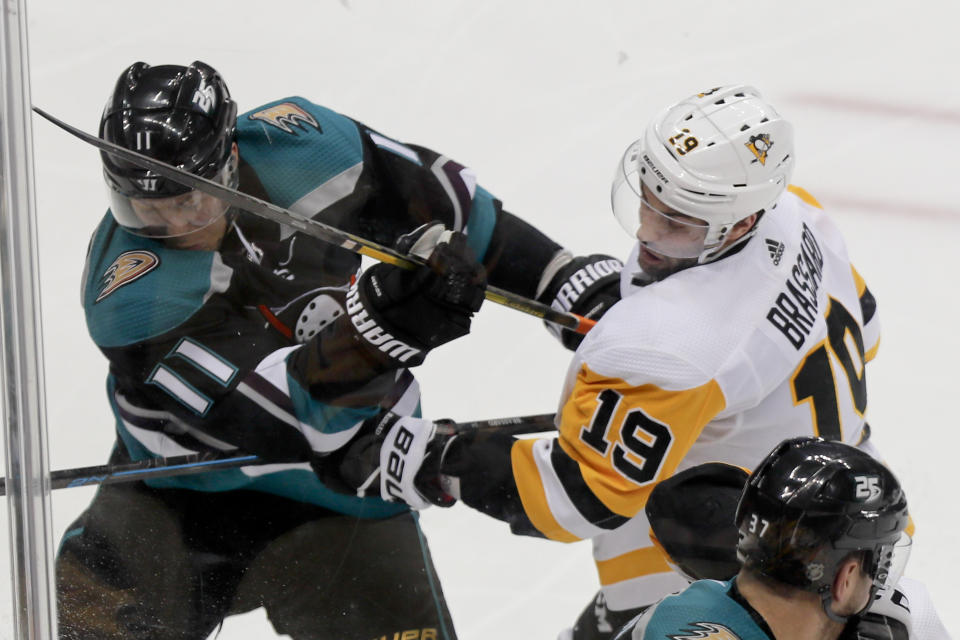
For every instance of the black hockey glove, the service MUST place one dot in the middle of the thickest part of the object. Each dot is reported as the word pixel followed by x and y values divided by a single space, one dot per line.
pixel 404 314
pixel 587 286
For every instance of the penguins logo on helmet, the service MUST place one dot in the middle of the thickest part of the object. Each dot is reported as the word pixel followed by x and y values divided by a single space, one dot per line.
pixel 760 145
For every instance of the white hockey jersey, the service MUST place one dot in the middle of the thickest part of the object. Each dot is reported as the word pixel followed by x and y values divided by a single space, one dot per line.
pixel 719 362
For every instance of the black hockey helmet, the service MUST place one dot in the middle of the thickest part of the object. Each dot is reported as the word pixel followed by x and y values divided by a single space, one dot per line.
pixel 813 503
pixel 183 116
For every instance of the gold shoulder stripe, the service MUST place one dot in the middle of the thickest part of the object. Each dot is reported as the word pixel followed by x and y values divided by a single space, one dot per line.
pixel 803 195
pixel 531 492
pixel 636 563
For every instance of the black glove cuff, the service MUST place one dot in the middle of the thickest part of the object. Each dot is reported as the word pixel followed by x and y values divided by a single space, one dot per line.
pixel 583 277
pixel 588 286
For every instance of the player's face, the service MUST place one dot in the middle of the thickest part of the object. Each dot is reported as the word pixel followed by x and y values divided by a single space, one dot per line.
pixel 192 221
pixel 664 234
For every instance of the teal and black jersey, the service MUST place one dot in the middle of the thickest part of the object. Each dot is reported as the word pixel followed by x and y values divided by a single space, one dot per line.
pixel 209 350
pixel 705 609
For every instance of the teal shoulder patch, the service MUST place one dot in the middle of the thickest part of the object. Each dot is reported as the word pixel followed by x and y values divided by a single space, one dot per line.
pixel 296 146
pixel 135 288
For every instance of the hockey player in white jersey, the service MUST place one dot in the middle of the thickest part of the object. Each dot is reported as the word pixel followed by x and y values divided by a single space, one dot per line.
pixel 741 322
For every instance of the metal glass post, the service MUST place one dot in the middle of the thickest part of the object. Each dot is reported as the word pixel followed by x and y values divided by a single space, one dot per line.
pixel 28 487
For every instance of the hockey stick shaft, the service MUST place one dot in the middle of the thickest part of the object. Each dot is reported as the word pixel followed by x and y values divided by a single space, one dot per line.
pixel 206 462
pixel 315 228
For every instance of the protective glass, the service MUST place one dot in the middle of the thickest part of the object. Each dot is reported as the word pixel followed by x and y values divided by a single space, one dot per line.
pixel 667 233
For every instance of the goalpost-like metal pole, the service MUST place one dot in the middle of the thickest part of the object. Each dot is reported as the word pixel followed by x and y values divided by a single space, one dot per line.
pixel 28 499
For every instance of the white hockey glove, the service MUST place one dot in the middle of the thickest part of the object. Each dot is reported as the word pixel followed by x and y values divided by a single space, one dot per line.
pixel 385 461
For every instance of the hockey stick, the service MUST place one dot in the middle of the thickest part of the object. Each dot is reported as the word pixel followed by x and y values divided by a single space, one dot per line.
pixel 204 462
pixel 315 228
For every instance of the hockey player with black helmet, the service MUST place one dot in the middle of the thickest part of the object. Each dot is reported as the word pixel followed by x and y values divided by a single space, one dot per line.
pixel 228 333
pixel 811 511
pixel 821 532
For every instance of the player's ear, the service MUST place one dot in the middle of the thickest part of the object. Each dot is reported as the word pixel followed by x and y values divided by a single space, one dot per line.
pixel 743 226
pixel 845 581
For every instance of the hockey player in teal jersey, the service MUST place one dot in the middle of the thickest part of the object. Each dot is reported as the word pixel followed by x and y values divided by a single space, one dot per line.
pixel 228 333
pixel 820 524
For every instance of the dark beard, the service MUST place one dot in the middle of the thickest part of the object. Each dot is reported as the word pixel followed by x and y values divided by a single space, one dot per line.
pixel 670 266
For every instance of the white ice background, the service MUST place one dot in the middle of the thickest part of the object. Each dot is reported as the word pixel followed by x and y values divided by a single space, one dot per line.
pixel 541 98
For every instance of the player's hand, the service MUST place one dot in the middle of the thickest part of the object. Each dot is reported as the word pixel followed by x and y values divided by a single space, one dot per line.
pixel 423 308
pixel 387 460
pixel 587 286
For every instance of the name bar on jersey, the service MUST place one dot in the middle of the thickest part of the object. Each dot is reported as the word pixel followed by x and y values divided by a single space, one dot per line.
pixel 796 309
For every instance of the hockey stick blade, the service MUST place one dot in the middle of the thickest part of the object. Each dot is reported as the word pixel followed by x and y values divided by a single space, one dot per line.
pixel 312 227
pixel 206 462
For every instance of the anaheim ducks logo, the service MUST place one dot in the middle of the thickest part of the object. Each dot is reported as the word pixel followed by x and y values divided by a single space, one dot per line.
pixel 759 145
pixel 285 116
pixel 711 630
pixel 129 266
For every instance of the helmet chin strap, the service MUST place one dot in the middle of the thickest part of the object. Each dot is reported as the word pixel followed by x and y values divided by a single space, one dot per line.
pixel 826 599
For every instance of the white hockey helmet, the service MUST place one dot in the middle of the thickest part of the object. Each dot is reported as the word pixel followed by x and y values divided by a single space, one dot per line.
pixel 718 156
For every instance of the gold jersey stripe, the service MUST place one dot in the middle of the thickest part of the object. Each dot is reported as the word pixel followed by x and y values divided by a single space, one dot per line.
pixel 633 564
pixel 532 494
pixel 802 193
pixel 684 413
